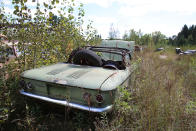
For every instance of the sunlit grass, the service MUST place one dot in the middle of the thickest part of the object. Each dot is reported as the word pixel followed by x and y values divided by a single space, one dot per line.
pixel 162 93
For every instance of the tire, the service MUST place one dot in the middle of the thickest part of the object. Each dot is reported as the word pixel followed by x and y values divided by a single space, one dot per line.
pixel 72 55
pixel 87 57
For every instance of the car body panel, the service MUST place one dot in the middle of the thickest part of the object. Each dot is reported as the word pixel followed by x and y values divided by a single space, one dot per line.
pixel 190 52
pixel 120 44
pixel 79 76
pixel 187 52
pixel 69 93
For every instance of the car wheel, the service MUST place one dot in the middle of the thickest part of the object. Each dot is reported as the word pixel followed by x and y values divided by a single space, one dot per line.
pixel 87 57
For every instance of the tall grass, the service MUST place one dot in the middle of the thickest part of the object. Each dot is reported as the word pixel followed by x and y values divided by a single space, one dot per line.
pixel 161 96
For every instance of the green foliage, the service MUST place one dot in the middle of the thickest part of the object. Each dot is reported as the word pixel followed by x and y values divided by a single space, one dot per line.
pixel 187 36
pixel 155 38
pixel 45 36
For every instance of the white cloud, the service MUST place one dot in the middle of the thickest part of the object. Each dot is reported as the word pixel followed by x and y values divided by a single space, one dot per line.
pixel 8 10
pixel 31 4
pixel 102 24
pixel 102 3
pixel 168 30
pixel 102 20
pixel 131 11
pixel 7 2
pixel 142 7
pixel 103 30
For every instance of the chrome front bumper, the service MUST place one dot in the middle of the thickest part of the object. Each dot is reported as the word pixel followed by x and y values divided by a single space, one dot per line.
pixel 65 103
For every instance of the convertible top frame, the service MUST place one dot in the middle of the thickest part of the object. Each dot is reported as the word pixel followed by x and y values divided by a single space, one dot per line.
pixel 114 50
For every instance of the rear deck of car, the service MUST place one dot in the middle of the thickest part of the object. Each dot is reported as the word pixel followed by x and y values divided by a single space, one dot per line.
pixel 80 86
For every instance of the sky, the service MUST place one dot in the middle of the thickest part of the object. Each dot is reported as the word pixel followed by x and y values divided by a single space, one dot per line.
pixel 166 16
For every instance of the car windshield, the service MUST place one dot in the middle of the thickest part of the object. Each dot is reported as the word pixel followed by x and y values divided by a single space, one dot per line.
pixel 110 56
pixel 110 53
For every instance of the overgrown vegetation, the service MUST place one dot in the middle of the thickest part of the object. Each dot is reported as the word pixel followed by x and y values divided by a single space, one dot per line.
pixel 43 33
pixel 162 94
pixel 155 38
pixel 187 36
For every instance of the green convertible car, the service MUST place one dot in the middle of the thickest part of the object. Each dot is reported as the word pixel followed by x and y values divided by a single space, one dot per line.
pixel 87 81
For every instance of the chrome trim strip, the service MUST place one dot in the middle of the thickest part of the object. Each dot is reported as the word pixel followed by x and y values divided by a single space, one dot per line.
pixel 65 103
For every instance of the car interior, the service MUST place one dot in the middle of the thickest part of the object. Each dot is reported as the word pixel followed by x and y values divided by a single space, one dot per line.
pixel 106 57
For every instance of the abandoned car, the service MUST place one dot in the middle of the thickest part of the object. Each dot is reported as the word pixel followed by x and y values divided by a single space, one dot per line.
pixel 159 49
pixel 187 52
pixel 87 81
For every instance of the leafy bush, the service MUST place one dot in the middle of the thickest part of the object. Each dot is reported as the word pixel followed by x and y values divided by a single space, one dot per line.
pixel 45 36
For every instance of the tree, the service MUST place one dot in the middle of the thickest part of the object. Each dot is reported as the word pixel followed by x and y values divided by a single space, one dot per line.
pixel 158 38
pixel 113 33
pixel 126 36
pixel 154 38
pixel 186 36
pixel 49 28
pixel 44 37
